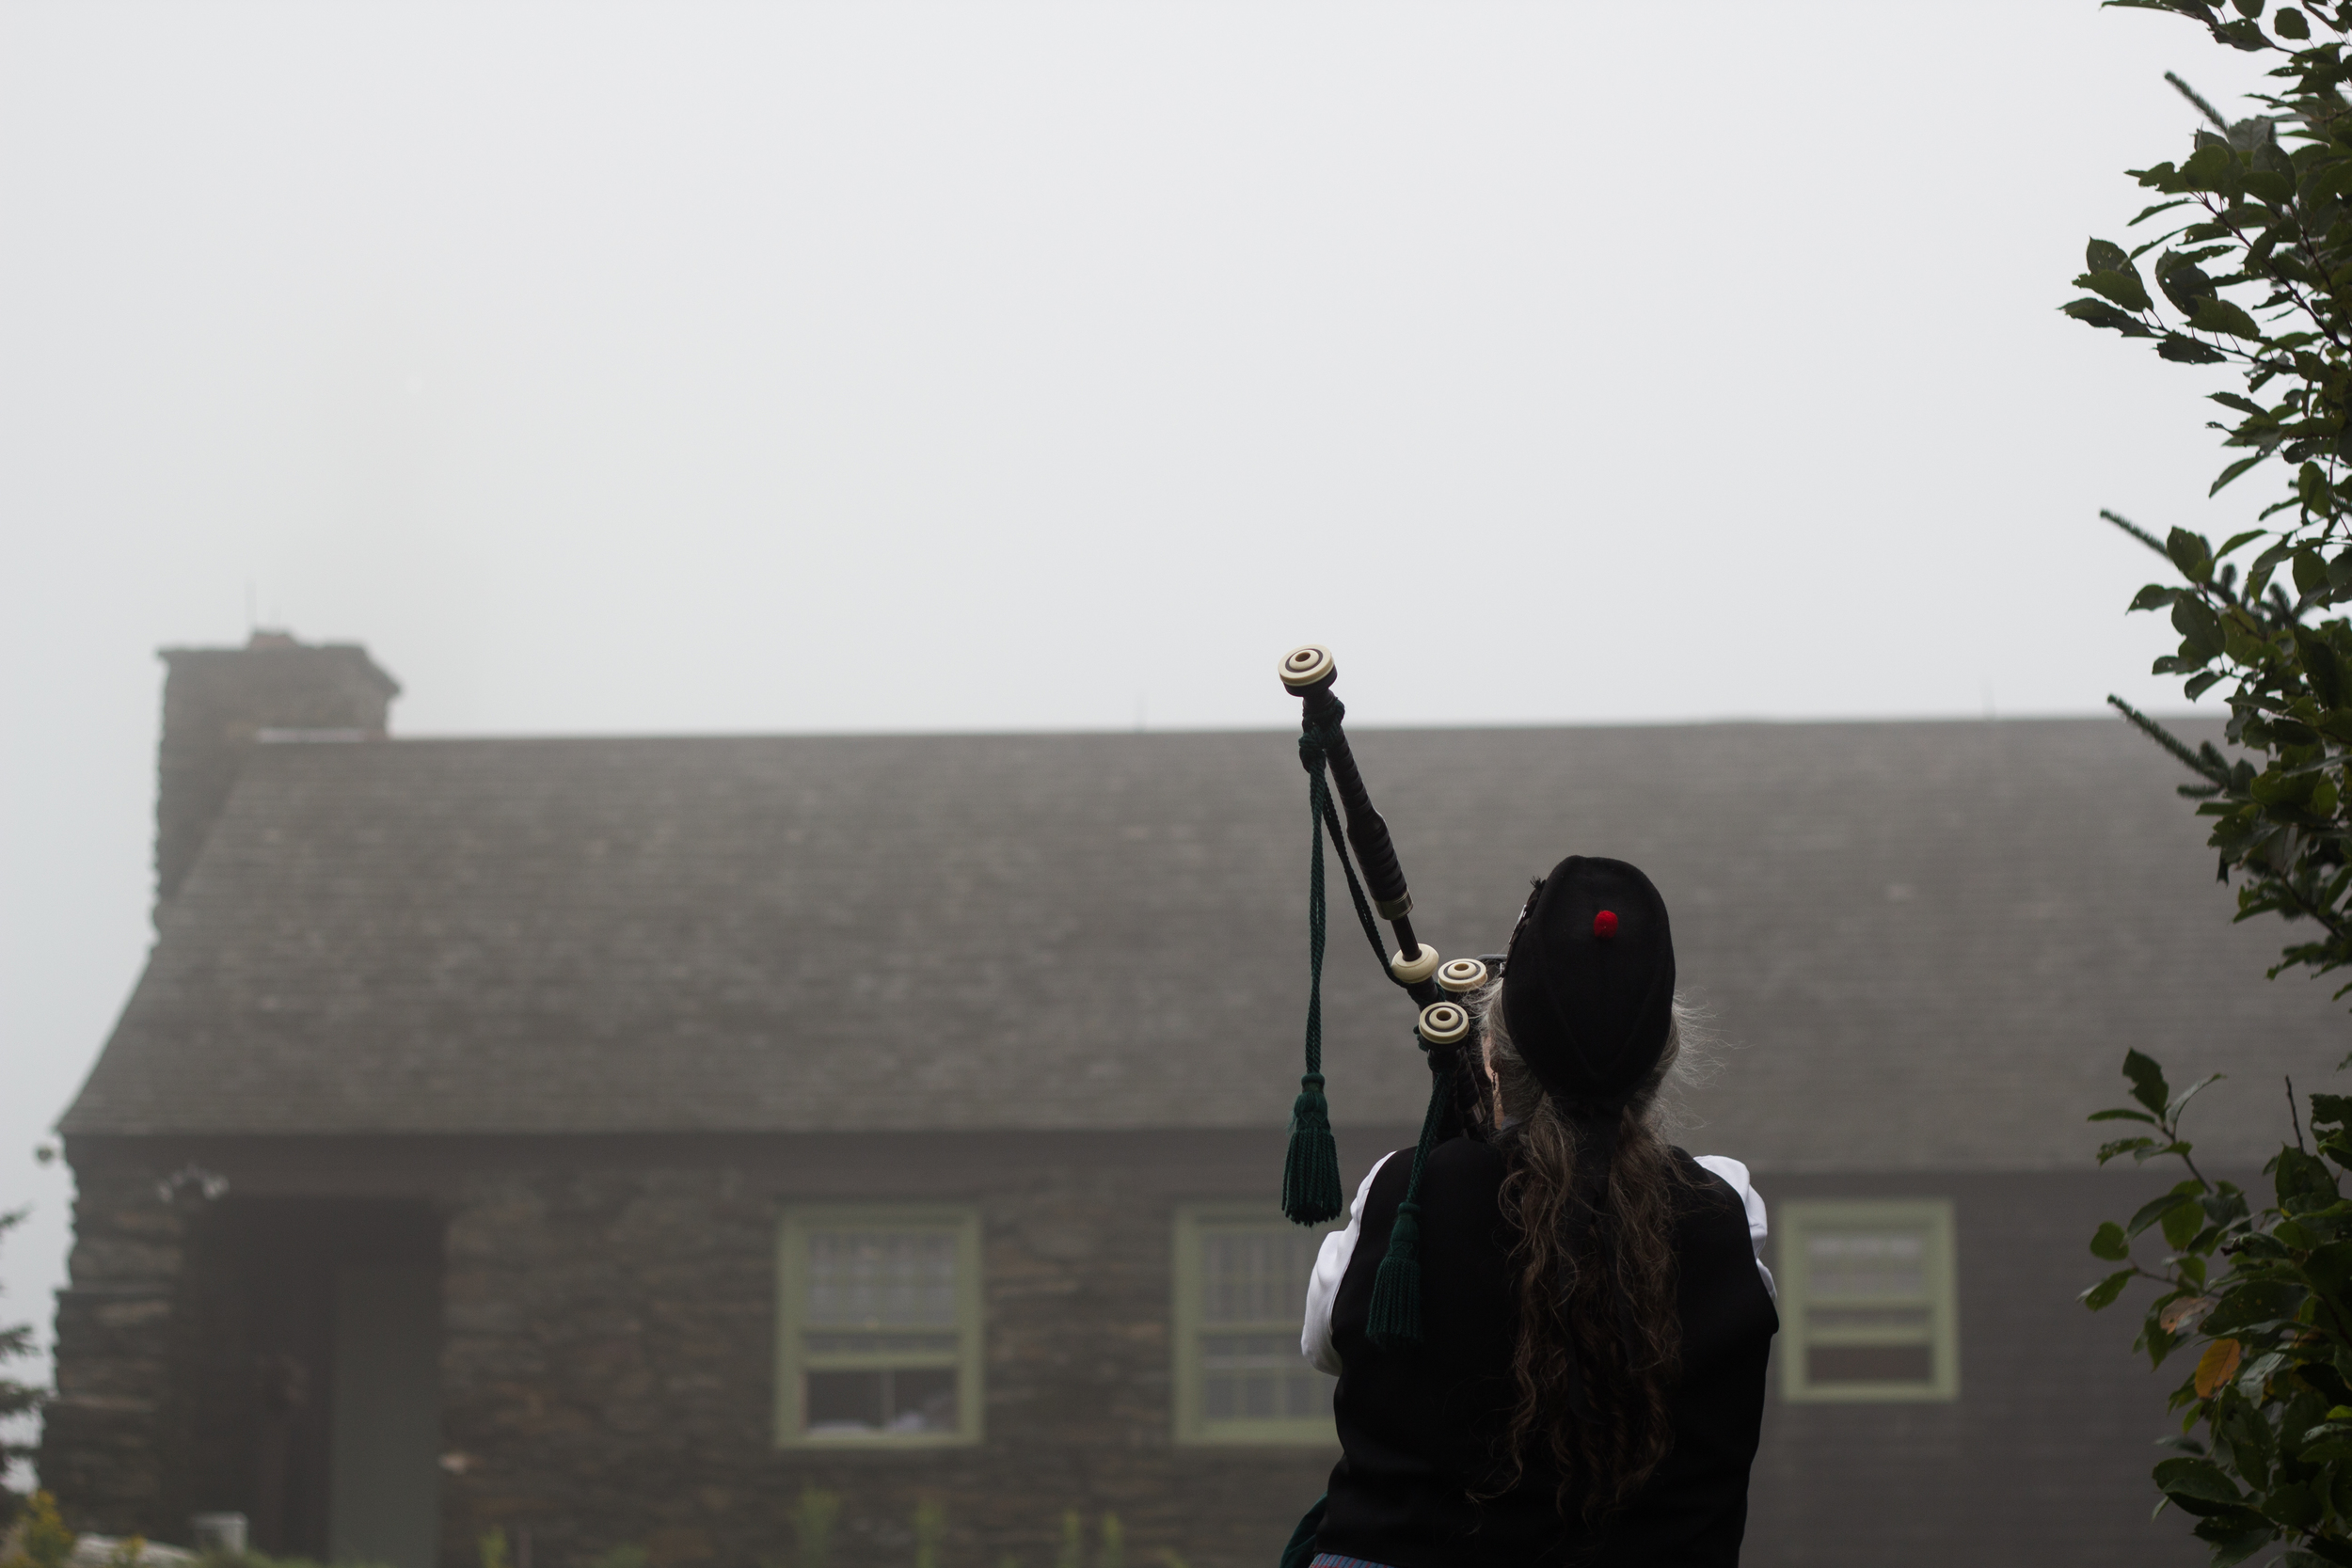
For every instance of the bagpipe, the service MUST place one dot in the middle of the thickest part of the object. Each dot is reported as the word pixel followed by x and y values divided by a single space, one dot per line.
pixel 1445 1028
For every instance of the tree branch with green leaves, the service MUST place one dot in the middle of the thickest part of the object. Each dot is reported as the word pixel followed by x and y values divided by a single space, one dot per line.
pixel 2252 269
pixel 2250 261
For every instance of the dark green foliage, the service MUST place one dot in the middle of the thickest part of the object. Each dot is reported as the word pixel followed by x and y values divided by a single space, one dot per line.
pixel 2264 1298
pixel 813 1519
pixel 41 1538
pixel 16 1399
pixel 2252 268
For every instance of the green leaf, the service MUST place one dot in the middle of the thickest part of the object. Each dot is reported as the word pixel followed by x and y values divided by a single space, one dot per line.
pixel 2156 1209
pixel 2182 280
pixel 2243 1306
pixel 2180 1101
pixel 2125 1146
pixel 2182 1222
pixel 2198 627
pixel 2234 470
pixel 2146 1077
pixel 2102 1295
pixel 2311 572
pixel 2111 1244
pixel 2195 1479
pixel 2122 285
pixel 2242 1533
pixel 2293 1506
pixel 2120 1113
pixel 2208 167
pixel 2329 1268
pixel 2180 350
pixel 2098 313
pixel 2322 667
pixel 2289 23
pixel 2246 34
pixel 2214 314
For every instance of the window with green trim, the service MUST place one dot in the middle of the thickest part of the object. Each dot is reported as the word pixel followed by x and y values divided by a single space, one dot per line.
pixel 1241 1292
pixel 1866 1301
pixel 878 1328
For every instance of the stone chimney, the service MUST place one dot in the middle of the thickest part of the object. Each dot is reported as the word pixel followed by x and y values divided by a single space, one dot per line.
pixel 219 702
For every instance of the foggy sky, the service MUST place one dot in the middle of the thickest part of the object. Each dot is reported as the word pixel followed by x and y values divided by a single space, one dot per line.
pixel 874 365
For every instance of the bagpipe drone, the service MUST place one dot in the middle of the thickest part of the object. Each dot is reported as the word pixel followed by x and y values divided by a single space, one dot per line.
pixel 1444 1029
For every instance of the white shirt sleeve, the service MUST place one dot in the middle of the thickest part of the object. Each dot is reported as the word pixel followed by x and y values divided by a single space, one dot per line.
pixel 1737 1174
pixel 1323 1286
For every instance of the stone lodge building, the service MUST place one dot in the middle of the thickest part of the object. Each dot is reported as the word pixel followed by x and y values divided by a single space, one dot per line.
pixel 607 1140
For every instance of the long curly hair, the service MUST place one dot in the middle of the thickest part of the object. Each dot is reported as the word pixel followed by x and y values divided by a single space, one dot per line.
pixel 1599 1333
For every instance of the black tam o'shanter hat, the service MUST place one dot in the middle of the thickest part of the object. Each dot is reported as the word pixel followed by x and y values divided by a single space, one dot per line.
pixel 1588 988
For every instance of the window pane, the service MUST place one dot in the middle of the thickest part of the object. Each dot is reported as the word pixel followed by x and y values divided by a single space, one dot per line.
pixel 1253 1290
pixel 843 1402
pixel 1835 1364
pixel 1870 1324
pixel 902 1400
pixel 871 1344
pixel 883 1278
pixel 922 1399
pixel 878 1326
pixel 1297 1395
pixel 1255 1276
pixel 1866 1265
pixel 1869 1294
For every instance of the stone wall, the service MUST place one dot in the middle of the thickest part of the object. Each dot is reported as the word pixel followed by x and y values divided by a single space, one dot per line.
pixel 608 1359
pixel 218 700
pixel 608 1343
pixel 609 1368
pixel 107 1438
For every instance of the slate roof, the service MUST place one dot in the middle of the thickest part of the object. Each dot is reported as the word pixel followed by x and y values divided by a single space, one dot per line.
pixel 1927 944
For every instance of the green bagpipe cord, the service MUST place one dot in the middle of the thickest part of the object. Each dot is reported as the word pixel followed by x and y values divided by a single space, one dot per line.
pixel 1395 1322
pixel 1311 1168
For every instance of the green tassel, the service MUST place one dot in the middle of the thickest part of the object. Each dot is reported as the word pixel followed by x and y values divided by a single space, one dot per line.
pixel 1301 1550
pixel 1396 1289
pixel 1310 1170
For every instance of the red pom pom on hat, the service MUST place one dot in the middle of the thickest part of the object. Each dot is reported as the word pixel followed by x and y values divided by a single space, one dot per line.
pixel 1605 925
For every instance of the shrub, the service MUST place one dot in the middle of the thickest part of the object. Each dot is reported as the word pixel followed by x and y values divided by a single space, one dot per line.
pixel 930 1529
pixel 813 1519
pixel 16 1399
pixel 2260 208
pixel 42 1539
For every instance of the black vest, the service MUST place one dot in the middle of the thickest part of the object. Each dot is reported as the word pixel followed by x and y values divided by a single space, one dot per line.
pixel 1421 1428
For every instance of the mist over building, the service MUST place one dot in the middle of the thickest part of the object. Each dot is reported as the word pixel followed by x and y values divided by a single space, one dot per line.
pixel 609 1140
